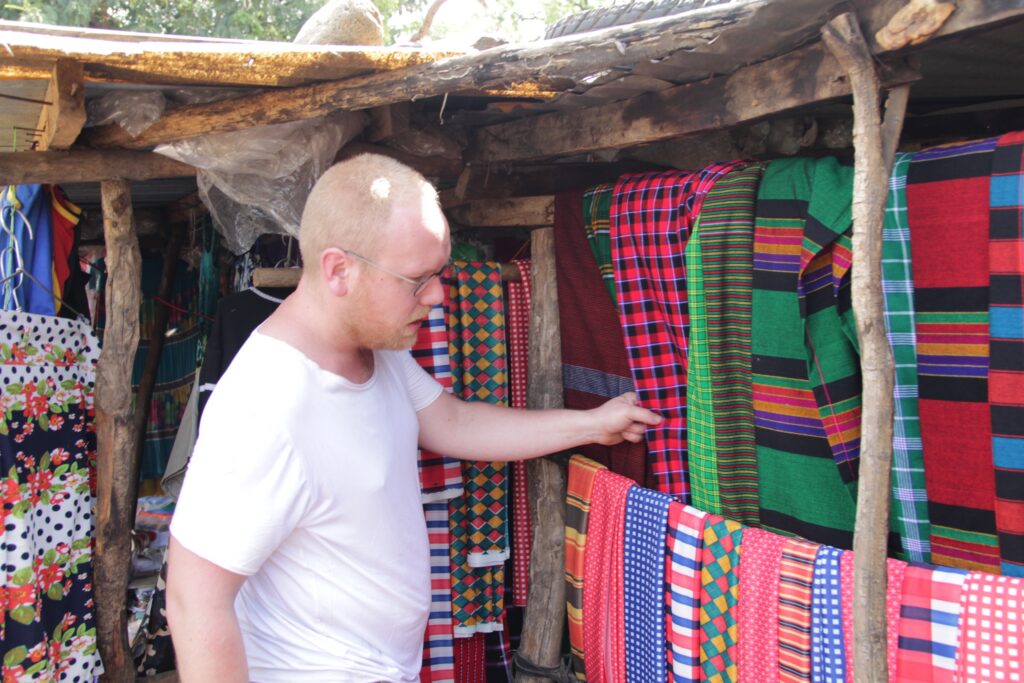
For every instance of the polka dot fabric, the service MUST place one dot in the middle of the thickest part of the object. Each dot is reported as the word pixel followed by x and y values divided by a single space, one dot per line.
pixel 896 569
pixel 758 611
pixel 992 625
pixel 518 345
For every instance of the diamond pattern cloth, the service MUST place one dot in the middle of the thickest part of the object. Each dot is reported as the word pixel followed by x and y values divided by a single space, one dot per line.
pixel 990 636
pixel 582 472
pixel 518 345
pixel 796 578
pixel 683 576
pixel 757 614
pixel 929 626
pixel 828 652
pixel 719 593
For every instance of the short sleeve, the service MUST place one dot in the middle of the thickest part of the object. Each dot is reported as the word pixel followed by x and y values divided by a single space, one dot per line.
pixel 244 493
pixel 423 388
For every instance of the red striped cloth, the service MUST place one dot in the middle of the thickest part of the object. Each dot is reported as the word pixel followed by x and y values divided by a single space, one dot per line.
pixel 471 659
pixel 895 569
pixel 604 636
pixel 685 540
pixel 518 346
pixel 929 626
pixel 758 611
pixel 796 579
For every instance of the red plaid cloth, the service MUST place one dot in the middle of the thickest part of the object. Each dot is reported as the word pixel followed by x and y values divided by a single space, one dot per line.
pixel 518 346
pixel 651 217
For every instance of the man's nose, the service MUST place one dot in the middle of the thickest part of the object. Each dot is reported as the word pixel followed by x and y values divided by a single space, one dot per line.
pixel 433 292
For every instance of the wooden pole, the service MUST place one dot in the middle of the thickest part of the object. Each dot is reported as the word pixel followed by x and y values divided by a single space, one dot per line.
pixel 115 437
pixel 85 166
pixel 843 37
pixel 545 610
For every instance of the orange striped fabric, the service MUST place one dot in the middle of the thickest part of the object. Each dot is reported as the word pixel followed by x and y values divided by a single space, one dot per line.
pixel 577 509
pixel 796 577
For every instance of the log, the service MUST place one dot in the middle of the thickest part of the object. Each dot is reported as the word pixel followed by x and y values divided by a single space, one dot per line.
pixel 970 16
pixel 430 166
pixel 522 212
pixel 870 184
pixel 482 181
pixel 541 642
pixel 62 120
pixel 83 166
pixel 802 77
pixel 388 121
pixel 115 437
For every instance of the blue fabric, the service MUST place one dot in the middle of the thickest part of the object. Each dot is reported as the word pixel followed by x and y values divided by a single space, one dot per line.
pixel 828 653
pixel 29 203
pixel 644 584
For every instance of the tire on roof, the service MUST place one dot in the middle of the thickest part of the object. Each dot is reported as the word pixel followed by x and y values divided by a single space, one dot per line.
pixel 624 13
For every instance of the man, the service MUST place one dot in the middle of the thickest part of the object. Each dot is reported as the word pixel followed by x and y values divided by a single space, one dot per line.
pixel 299 549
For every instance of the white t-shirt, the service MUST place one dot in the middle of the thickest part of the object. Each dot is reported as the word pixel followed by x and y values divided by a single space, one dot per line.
pixel 307 483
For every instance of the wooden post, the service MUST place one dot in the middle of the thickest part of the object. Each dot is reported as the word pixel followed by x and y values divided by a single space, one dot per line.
pixel 545 610
pixel 843 37
pixel 115 475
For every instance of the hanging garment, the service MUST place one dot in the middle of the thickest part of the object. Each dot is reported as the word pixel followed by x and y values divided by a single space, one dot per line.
pixel 805 367
pixel 757 614
pixel 597 207
pixel 471 659
pixel 895 571
pixel 719 592
pixel 947 210
pixel 990 649
pixel 726 230
pixel 683 580
pixel 652 216
pixel 929 626
pixel 1006 316
pixel 48 464
pixel 438 639
pixel 604 616
pixel 644 584
pixel 594 363
pixel 796 577
pixel 26 241
pixel 828 650
pixel 579 490
pixel 64 217
pixel 518 347
pixel 910 500
pixel 478 517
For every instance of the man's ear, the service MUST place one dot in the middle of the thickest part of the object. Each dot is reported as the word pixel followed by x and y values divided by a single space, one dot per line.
pixel 334 269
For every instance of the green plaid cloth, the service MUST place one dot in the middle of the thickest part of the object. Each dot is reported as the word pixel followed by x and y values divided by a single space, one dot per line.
pixel 700 408
pixel 597 207
pixel 910 501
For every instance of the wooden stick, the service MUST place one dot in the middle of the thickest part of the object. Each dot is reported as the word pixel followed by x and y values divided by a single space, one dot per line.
pixel 843 37
pixel 545 610
pixel 83 166
pixel 115 437
pixel 519 212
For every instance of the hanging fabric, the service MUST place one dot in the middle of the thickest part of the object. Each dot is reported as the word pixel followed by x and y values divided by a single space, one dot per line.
pixel 48 464
pixel 895 571
pixel 828 649
pixel 796 578
pixel 26 242
pixel 519 295
pixel 929 626
pixel 719 593
pixel 992 612
pixel 685 545
pixel 579 491
pixel 757 614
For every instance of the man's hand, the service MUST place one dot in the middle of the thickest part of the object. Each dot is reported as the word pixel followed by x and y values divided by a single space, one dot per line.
pixel 621 419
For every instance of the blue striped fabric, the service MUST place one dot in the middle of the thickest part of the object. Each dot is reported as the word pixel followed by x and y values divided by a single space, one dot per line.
pixel 685 541
pixel 594 381
pixel 828 654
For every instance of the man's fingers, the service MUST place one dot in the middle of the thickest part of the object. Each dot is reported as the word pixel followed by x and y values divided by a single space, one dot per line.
pixel 648 417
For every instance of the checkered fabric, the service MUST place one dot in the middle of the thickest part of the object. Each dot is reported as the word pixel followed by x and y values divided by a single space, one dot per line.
pixel 910 499
pixel 929 626
pixel 719 592
pixel 652 214
pixel 438 655
pixel 597 206
pixel 685 543
pixel 828 652
pixel 604 617
pixel 577 510
pixel 757 615
pixel 1006 324
pixel 518 345
pixel 796 577
pixel 991 629
pixel 644 584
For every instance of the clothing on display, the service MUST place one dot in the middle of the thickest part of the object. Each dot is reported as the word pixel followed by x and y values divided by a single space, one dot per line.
pixel 519 295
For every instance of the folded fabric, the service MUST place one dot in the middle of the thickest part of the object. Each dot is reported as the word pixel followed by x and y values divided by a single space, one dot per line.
pixel 757 614
pixel 518 345
pixel 828 651
pixel 929 625
pixel 990 648
pixel 683 579
pixel 719 592
pixel 895 570
pixel 579 490
pixel 796 577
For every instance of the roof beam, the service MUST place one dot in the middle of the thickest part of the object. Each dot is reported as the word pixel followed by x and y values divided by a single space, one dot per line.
pixel 521 212
pixel 63 115
pixel 82 166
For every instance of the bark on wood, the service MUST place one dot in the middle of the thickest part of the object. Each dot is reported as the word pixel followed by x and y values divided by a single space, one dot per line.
pixel 970 16
pixel 545 611
pixel 82 166
pixel 484 181
pixel 61 121
pixel 429 166
pixel 496 213
pixel 914 24
pixel 115 472
pixel 871 176
pixel 802 77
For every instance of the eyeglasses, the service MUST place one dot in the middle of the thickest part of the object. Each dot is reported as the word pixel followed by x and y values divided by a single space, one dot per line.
pixel 419 285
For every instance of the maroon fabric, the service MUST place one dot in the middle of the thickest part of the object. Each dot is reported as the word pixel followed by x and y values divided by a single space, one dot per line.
pixel 471 659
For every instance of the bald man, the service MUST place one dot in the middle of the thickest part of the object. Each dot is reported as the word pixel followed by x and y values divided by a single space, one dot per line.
pixel 299 548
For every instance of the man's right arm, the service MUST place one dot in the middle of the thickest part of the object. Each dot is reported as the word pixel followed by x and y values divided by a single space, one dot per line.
pixel 201 615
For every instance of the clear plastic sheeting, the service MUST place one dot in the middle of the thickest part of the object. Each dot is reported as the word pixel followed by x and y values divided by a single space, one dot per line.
pixel 256 181
pixel 133 110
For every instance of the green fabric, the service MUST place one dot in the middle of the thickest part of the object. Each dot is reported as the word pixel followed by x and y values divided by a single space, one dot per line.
pixel 597 207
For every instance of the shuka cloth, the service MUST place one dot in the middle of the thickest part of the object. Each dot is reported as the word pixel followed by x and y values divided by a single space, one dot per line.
pixel 948 212
pixel 990 648
pixel 719 592
pixel 471 659
pixel 604 644
pixel 594 363
pixel 895 570
pixel 910 499
pixel 685 541
pixel 48 456
pixel 652 215
pixel 438 654
pixel 1006 321
pixel 726 250
pixel 929 626
pixel 805 367
pixel 644 584
pixel 757 614
pixel 518 345
pixel 597 206
pixel 796 578
pixel 582 472
pixel 828 653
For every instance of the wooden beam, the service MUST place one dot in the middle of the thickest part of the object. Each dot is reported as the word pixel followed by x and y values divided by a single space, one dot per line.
pixel 81 166
pixel 115 437
pixel 444 168
pixel 62 119
pixel 484 181
pixel 388 121
pixel 573 57
pixel 844 39
pixel 970 16
pixel 506 213
pixel 541 642
pixel 797 79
